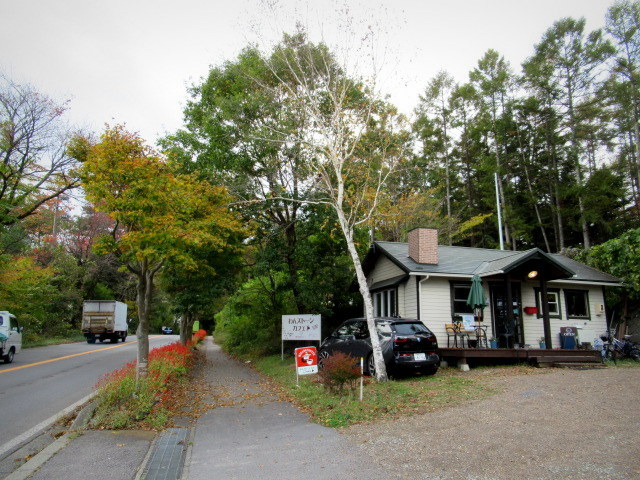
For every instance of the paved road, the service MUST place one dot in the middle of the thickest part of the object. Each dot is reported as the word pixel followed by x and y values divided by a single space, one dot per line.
pixel 45 380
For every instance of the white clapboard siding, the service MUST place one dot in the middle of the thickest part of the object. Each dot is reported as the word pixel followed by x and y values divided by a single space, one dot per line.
pixel 402 293
pixel 588 329
pixel 410 304
pixel 383 270
pixel 435 307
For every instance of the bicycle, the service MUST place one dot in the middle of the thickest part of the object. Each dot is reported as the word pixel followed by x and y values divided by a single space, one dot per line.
pixel 614 349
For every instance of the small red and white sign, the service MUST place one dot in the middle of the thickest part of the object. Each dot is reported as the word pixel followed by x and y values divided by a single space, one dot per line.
pixel 306 360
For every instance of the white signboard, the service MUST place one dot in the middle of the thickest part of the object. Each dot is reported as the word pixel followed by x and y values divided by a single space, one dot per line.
pixel 301 327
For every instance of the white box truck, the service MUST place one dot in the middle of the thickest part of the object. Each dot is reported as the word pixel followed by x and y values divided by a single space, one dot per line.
pixel 10 336
pixel 104 320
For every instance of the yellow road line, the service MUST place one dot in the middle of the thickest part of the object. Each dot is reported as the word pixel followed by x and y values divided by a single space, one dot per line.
pixel 69 356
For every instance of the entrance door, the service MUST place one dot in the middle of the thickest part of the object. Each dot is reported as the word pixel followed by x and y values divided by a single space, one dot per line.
pixel 507 332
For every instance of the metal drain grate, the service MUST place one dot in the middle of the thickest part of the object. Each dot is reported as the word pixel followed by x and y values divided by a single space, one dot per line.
pixel 167 460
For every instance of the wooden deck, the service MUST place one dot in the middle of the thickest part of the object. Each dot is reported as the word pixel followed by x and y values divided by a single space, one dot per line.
pixel 535 356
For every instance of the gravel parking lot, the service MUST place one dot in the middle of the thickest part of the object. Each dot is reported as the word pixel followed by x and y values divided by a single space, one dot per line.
pixel 559 424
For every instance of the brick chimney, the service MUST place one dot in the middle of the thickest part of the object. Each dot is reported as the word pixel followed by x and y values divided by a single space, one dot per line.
pixel 423 245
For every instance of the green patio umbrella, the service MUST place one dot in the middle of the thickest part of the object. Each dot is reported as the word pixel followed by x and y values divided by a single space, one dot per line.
pixel 476 295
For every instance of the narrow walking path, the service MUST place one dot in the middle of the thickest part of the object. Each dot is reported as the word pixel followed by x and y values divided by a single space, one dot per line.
pixel 251 434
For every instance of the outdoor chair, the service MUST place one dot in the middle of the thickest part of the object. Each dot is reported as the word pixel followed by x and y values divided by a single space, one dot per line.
pixel 454 330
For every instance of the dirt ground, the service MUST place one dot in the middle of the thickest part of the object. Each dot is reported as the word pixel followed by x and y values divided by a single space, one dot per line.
pixel 559 424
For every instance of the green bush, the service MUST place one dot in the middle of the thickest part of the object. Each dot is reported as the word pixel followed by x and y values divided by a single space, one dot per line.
pixel 250 323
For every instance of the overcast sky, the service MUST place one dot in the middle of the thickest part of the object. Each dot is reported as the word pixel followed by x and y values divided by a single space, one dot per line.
pixel 131 61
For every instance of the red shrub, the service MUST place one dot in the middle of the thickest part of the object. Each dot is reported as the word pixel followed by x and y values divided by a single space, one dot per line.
pixel 198 336
pixel 340 370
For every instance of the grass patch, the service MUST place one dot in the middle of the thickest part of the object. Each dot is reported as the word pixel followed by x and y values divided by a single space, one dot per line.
pixel 624 363
pixel 406 396
pixel 43 342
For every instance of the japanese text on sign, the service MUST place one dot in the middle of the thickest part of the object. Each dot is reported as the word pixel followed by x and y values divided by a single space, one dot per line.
pixel 301 327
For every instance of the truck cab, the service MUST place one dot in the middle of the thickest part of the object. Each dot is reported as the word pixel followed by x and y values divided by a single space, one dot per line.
pixel 10 336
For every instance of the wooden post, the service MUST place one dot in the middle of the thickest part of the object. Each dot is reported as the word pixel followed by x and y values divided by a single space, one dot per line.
pixel 544 304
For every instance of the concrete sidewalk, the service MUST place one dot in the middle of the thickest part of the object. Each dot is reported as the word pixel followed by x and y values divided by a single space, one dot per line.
pixel 251 434
pixel 247 433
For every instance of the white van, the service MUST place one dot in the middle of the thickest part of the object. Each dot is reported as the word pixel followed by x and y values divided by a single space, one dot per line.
pixel 10 336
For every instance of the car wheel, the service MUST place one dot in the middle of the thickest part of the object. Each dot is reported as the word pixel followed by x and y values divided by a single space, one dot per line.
pixel 124 338
pixel 371 365
pixel 8 358
pixel 322 356
pixel 91 340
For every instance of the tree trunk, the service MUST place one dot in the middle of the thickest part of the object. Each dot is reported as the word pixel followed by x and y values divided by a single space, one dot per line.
pixel 142 333
pixel 632 163
pixel 144 297
pixel 381 369
pixel 537 210
pixel 558 206
pixel 186 327
pixel 583 218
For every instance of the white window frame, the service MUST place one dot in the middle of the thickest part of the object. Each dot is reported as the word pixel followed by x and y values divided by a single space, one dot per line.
pixel 385 303
pixel 558 312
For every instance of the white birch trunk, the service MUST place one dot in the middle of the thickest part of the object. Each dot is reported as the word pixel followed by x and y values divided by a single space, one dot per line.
pixel 381 369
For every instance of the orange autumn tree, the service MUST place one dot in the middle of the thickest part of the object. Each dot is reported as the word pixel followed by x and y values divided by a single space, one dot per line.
pixel 161 215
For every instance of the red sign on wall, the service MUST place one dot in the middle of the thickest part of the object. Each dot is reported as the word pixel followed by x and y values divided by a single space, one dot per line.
pixel 306 360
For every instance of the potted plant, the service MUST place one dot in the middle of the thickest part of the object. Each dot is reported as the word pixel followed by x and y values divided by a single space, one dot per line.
pixel 493 342
pixel 542 342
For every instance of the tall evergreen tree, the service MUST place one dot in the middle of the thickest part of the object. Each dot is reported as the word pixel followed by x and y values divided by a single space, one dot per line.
pixel 569 63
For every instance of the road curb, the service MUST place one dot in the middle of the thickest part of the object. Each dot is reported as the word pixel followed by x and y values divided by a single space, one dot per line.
pixel 21 440
pixel 26 470
pixel 34 463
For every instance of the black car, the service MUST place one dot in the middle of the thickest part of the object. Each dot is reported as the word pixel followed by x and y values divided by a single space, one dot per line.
pixel 407 345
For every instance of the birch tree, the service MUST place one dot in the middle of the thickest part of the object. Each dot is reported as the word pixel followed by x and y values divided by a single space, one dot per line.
pixel 352 140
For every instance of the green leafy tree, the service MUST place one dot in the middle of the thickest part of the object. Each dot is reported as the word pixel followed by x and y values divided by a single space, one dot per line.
pixel 160 214
pixel 27 290
pixel 620 257
pixel 240 131
pixel 196 293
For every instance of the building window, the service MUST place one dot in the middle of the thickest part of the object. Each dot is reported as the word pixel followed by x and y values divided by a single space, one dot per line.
pixel 553 300
pixel 384 303
pixel 459 295
pixel 577 302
